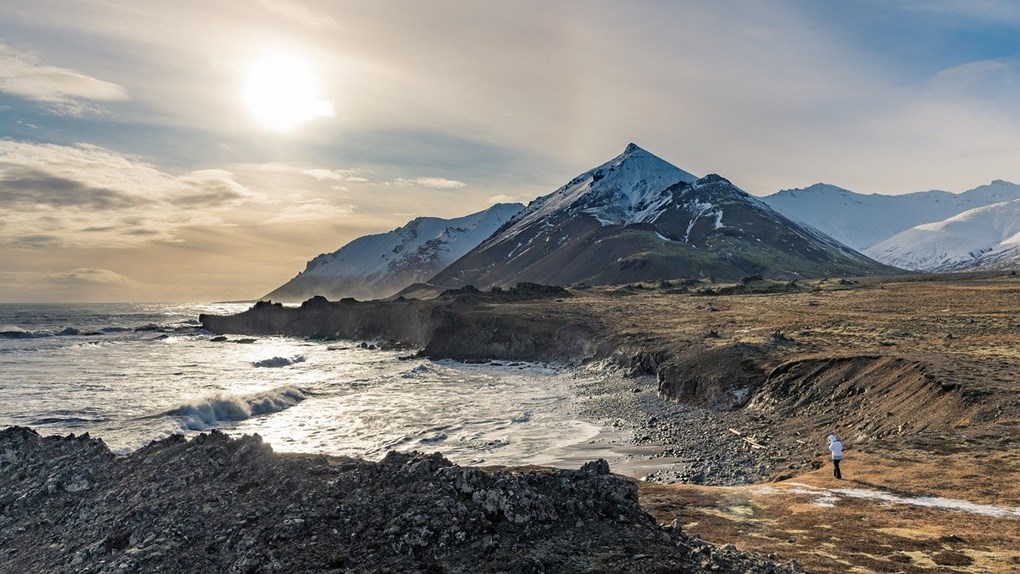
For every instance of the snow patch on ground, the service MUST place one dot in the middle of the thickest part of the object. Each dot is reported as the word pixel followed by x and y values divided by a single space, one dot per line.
pixel 830 497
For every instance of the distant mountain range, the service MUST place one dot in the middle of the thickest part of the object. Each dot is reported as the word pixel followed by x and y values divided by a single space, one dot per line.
pixel 637 217
pixel 377 266
pixel 983 238
pixel 861 221
pixel 923 231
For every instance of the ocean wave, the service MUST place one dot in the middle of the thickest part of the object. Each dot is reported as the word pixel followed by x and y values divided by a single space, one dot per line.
pixel 225 409
pixel 19 333
pixel 11 332
pixel 279 361
pixel 67 421
pixel 153 327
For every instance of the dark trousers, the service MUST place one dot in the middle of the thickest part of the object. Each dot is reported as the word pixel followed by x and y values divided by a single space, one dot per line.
pixel 835 469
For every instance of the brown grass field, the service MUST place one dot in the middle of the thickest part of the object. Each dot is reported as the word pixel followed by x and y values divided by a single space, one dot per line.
pixel 931 477
pixel 794 520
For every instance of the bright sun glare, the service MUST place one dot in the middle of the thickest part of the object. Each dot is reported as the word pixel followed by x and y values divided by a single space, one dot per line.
pixel 280 92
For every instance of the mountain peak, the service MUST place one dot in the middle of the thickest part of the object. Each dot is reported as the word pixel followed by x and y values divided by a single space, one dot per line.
pixel 631 148
pixel 634 152
pixel 625 189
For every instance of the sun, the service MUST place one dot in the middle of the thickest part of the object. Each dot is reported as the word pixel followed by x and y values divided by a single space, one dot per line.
pixel 280 91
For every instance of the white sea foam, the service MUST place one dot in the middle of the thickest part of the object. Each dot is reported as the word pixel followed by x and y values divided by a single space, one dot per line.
pixel 118 379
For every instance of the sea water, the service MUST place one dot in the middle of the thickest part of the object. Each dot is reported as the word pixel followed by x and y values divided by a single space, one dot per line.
pixel 132 373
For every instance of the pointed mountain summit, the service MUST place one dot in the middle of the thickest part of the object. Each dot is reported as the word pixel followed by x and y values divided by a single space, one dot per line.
pixel 623 190
pixel 638 217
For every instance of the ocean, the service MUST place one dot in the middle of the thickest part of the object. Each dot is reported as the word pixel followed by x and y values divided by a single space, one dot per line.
pixel 133 373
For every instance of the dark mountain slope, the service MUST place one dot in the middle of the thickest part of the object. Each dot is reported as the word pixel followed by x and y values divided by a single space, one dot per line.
pixel 639 218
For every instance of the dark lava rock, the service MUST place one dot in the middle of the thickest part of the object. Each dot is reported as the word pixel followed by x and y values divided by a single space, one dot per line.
pixel 216 504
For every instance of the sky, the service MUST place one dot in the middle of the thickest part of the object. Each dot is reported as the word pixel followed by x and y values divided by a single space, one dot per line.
pixel 204 151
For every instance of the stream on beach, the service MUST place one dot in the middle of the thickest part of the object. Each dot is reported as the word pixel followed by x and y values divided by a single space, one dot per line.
pixel 132 373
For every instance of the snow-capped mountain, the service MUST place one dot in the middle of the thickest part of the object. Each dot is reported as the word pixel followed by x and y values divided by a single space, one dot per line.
pixel 860 221
pixel 985 237
pixel 632 193
pixel 377 266
pixel 637 217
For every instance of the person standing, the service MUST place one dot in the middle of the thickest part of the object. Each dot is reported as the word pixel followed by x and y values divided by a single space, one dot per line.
pixel 836 448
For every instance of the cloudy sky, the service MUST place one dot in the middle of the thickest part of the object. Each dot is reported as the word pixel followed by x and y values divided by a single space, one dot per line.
pixel 204 150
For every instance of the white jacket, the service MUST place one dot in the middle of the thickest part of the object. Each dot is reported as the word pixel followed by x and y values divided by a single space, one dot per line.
pixel 836 447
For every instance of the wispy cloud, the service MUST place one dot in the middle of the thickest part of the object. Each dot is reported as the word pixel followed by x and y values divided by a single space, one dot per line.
pixel 88 196
pixel 300 169
pixel 300 13
pixel 972 10
pixel 310 210
pixel 87 276
pixel 59 90
pixel 503 198
pixel 431 182
pixel 334 174
pixel 985 79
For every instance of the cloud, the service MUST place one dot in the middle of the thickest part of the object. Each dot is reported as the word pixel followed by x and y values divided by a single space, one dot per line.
pixel 87 196
pixel 431 182
pixel 502 198
pixel 300 13
pixel 60 90
pixel 86 276
pixel 985 79
pixel 79 284
pixel 300 169
pixel 26 186
pixel 212 188
pixel 334 174
pixel 995 11
pixel 310 210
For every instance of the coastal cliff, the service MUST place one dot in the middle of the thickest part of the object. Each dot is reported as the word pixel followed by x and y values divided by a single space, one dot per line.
pixel 463 324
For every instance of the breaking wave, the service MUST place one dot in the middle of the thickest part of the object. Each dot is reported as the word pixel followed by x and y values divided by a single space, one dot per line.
pixel 225 409
pixel 279 361
pixel 9 332
pixel 14 332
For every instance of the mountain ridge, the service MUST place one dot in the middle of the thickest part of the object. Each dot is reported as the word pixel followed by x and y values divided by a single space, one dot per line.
pixel 862 220
pixel 637 217
pixel 379 265
pixel 986 237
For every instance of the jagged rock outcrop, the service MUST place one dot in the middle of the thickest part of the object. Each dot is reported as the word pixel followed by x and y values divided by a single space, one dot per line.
pixel 215 504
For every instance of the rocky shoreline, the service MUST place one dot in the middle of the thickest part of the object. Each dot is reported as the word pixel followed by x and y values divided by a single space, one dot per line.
pixel 216 504
pixel 692 444
pixel 734 383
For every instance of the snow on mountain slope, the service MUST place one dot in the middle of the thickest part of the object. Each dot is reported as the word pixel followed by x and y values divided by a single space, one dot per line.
pixel 376 266
pixel 626 189
pixel 987 236
pixel 638 218
pixel 860 221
